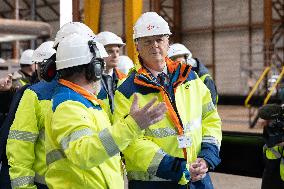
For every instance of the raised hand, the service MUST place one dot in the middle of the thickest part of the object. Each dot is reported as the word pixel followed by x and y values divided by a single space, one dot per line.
pixel 149 114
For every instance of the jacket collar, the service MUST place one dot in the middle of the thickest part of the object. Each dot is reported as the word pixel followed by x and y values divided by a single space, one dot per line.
pixel 177 73
pixel 78 89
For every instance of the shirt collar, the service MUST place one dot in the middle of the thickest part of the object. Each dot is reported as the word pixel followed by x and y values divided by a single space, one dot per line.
pixel 110 73
pixel 155 73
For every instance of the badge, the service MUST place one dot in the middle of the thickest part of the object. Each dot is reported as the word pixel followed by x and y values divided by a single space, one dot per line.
pixel 184 141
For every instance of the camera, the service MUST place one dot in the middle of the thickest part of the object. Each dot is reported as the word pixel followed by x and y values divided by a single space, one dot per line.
pixel 273 133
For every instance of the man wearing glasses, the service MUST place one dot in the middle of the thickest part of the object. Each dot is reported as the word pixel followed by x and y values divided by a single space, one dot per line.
pixel 177 151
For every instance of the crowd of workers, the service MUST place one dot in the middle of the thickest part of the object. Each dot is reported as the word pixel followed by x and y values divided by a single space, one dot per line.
pixel 82 113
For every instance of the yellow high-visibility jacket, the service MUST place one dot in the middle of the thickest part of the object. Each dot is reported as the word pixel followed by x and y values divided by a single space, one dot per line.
pixel 190 112
pixel 82 147
pixel 25 144
pixel 276 152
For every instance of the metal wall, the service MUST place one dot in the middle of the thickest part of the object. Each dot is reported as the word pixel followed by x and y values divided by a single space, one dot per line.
pixel 231 36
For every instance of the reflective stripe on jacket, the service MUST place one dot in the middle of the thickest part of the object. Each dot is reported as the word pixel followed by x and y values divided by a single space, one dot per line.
pixel 82 146
pixel 276 152
pixel 25 144
pixel 189 108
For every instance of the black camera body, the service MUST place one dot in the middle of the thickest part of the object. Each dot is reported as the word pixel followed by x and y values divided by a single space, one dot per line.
pixel 273 133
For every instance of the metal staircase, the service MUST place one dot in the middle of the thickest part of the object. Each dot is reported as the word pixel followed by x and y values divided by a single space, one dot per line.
pixel 272 73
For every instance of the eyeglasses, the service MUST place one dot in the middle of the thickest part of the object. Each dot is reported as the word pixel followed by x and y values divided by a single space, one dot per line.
pixel 160 39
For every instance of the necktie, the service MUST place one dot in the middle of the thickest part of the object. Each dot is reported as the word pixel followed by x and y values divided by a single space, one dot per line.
pixel 162 79
pixel 109 86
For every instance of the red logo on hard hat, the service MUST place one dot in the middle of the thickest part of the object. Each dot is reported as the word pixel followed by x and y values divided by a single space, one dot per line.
pixel 149 27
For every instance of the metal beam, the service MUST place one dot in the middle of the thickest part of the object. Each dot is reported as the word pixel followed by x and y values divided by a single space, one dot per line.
pixel 172 14
pixel 92 14
pixel 12 8
pixel 51 7
pixel 250 35
pixel 177 20
pixel 133 10
pixel 223 28
pixel 267 25
pixel 76 10
pixel 37 14
pixel 33 17
pixel 16 44
pixel 38 7
pixel 9 5
pixel 33 10
pixel 24 27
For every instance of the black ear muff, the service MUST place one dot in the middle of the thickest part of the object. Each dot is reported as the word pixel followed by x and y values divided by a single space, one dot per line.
pixel 95 69
pixel 48 69
pixel 96 66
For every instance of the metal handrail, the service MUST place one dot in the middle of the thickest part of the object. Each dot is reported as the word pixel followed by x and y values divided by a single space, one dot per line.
pixel 273 87
pixel 264 73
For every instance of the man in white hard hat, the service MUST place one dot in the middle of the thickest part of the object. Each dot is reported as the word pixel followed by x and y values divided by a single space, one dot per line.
pixel 180 149
pixel 13 82
pixel 178 52
pixel 28 164
pixel 111 75
pixel 24 75
pixel 25 144
pixel 82 147
pixel 21 77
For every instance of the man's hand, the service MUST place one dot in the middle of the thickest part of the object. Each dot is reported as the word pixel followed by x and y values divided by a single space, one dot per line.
pixel 6 83
pixel 198 169
pixel 149 114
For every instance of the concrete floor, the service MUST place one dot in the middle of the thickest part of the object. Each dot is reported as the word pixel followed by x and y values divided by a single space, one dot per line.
pixel 226 181
pixel 235 118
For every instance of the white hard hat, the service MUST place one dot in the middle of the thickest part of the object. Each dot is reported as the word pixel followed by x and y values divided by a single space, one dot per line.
pixel 178 49
pixel 26 57
pixel 191 61
pixel 2 60
pixel 109 38
pixel 150 24
pixel 70 28
pixel 43 52
pixel 124 64
pixel 74 50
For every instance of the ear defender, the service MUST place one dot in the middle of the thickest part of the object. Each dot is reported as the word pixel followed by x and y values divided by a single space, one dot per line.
pixel 48 69
pixel 96 66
